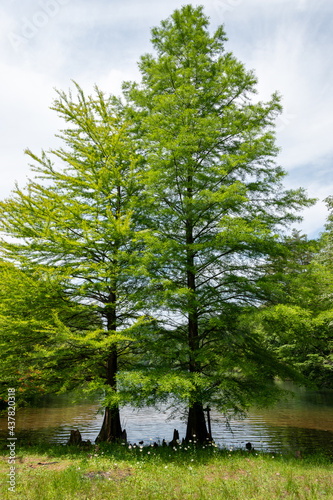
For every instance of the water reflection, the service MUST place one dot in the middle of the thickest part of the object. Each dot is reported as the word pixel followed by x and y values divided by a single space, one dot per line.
pixel 304 422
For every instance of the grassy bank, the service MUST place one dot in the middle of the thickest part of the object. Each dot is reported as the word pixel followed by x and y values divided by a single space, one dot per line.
pixel 123 472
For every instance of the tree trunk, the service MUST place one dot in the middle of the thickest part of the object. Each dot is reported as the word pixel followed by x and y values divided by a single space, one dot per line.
pixel 111 427
pixel 196 424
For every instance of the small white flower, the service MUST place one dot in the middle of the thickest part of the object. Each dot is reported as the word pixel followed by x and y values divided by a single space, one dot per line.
pixel 192 459
pixel 190 468
pixel 148 453
pixel 166 467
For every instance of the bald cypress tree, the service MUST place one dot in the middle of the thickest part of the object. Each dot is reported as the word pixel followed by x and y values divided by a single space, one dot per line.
pixel 78 221
pixel 217 206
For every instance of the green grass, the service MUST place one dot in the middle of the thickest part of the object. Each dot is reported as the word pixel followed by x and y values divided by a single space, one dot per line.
pixel 188 472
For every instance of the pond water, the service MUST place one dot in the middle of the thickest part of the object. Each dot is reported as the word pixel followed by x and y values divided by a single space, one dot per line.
pixel 303 422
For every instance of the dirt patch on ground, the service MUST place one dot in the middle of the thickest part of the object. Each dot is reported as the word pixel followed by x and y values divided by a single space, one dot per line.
pixel 225 474
pixel 113 475
pixel 53 464
pixel 47 464
pixel 35 463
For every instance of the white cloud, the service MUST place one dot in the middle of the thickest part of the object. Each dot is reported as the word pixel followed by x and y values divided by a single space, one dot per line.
pixel 288 44
pixel 26 120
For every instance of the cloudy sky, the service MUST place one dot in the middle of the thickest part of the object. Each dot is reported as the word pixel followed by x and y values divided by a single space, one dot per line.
pixel 44 44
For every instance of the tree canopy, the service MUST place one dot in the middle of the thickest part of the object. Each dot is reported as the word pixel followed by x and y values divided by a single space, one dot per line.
pixel 77 221
pixel 217 205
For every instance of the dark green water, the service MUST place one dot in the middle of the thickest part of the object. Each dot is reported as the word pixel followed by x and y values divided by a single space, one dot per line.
pixel 304 422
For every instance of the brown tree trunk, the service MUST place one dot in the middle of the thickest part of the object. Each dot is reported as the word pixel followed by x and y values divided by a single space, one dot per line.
pixel 111 427
pixel 196 424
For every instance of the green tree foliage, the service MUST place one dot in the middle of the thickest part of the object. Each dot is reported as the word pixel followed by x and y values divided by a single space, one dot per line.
pixel 217 205
pixel 35 318
pixel 78 220
pixel 297 320
pixel 326 254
